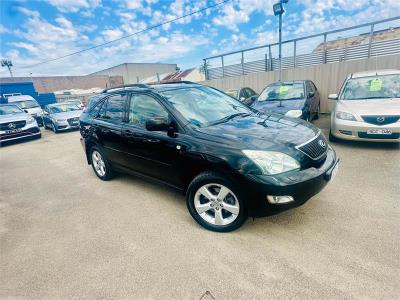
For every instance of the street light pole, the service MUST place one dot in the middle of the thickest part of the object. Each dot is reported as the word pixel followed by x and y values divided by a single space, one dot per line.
pixel 278 11
pixel 280 47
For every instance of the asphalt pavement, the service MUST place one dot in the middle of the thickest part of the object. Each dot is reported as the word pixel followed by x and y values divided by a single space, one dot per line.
pixel 66 234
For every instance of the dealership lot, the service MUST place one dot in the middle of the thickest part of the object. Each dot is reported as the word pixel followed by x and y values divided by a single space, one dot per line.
pixel 64 233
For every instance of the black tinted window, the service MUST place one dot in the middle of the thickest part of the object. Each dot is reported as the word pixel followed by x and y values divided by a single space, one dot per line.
pixel 113 108
pixel 144 107
pixel 250 92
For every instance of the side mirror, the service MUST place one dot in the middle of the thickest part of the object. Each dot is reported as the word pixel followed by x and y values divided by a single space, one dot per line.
pixel 157 124
pixel 333 96
pixel 253 98
pixel 311 94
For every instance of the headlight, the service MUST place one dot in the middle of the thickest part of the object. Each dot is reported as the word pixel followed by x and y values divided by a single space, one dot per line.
pixel 345 116
pixel 30 120
pixel 294 113
pixel 271 162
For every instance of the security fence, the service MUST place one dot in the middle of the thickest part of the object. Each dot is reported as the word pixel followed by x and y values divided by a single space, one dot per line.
pixel 362 41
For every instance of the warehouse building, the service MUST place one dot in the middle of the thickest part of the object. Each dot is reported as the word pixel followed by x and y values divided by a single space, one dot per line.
pixel 135 72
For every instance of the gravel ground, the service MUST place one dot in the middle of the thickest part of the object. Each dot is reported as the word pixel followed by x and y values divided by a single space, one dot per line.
pixel 65 234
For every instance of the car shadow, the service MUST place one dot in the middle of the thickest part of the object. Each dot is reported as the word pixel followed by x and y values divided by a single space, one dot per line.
pixel 367 145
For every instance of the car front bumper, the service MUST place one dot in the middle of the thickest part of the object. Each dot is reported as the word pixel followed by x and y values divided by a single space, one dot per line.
pixel 61 126
pixel 357 131
pixel 300 185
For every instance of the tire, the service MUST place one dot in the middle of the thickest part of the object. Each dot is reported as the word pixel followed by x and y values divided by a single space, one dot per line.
pixel 101 166
pixel 205 211
pixel 54 128
pixel 332 138
pixel 316 117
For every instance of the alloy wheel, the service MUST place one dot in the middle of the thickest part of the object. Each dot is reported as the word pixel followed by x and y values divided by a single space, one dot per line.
pixel 216 204
pixel 98 163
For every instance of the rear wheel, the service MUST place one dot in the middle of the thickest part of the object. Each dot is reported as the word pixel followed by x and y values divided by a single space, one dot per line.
pixel 214 203
pixel 100 164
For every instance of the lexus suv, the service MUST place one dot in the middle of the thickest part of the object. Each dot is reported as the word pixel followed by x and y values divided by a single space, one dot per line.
pixel 15 124
pixel 231 161
pixel 367 108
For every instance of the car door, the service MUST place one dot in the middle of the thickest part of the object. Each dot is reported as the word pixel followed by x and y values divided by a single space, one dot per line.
pixel 316 98
pixel 151 153
pixel 310 95
pixel 107 126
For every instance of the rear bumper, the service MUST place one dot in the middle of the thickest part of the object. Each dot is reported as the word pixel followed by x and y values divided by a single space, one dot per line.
pixel 357 131
pixel 301 185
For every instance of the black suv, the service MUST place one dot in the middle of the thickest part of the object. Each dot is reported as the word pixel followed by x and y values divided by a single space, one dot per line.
pixel 231 161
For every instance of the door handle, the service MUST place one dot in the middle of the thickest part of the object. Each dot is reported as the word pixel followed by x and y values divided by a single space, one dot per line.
pixel 128 133
pixel 152 140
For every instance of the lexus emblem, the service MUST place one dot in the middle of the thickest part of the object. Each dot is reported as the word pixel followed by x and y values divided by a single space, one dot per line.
pixel 11 126
pixel 322 143
pixel 380 119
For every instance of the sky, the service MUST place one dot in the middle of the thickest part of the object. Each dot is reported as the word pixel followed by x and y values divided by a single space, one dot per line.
pixel 32 31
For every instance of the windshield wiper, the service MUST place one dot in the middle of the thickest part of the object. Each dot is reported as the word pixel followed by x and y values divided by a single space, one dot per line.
pixel 230 117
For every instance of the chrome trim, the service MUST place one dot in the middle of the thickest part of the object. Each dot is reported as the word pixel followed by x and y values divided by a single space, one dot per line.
pixel 309 141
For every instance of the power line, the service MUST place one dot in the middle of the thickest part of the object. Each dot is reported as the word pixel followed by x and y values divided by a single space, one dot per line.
pixel 129 35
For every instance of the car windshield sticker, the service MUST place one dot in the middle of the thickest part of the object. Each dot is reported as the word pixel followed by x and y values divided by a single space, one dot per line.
pixel 375 85
pixel 283 90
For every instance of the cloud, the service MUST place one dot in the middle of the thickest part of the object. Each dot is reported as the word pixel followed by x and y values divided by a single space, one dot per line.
pixel 3 29
pixel 68 6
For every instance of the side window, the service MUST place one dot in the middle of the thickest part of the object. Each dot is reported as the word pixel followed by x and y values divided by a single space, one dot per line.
pixel 310 87
pixel 113 108
pixel 143 107
pixel 313 86
pixel 250 92
pixel 243 94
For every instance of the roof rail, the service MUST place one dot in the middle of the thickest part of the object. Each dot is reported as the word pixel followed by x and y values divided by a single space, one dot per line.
pixel 120 87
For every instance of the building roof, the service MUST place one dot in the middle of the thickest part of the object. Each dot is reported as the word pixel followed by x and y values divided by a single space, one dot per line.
pixel 382 35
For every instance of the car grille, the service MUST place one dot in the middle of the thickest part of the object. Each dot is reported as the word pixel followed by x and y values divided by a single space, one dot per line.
pixel 17 124
pixel 316 148
pixel 380 120
pixel 73 121
pixel 364 135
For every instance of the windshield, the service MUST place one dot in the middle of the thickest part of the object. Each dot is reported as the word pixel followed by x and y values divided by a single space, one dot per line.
pixel 282 92
pixel 204 106
pixel 385 86
pixel 25 104
pixel 9 110
pixel 63 108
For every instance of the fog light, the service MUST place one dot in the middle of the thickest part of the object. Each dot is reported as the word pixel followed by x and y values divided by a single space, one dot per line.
pixel 279 199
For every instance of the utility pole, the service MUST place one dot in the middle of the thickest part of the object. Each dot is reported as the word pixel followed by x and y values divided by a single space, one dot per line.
pixel 7 63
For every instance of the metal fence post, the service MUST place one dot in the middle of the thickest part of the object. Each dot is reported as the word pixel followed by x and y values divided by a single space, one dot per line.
pixel 294 54
pixel 266 63
pixel 205 69
pixel 270 58
pixel 324 58
pixel 242 61
pixel 223 67
pixel 371 37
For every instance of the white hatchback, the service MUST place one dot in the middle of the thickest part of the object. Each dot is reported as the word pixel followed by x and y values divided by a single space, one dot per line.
pixel 367 107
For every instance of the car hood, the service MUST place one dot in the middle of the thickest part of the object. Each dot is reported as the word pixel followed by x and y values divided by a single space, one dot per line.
pixel 371 107
pixel 13 118
pixel 279 107
pixel 67 115
pixel 260 132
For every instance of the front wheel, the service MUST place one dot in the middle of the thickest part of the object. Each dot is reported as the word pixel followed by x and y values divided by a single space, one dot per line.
pixel 54 128
pixel 214 203
pixel 333 138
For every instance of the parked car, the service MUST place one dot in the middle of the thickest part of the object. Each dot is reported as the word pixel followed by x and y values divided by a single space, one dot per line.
pixel 231 161
pixel 15 124
pixel 61 116
pixel 367 107
pixel 245 95
pixel 296 99
pixel 29 105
